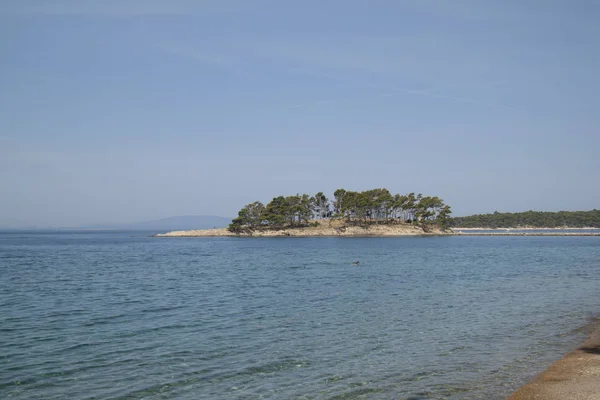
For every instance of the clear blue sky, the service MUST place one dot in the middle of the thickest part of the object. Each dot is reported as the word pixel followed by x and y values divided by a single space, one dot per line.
pixel 126 110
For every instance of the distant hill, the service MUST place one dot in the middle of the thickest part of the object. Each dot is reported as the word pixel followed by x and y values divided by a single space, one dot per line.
pixel 532 219
pixel 184 222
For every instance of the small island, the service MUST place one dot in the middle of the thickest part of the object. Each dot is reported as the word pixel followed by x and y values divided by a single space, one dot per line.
pixel 375 212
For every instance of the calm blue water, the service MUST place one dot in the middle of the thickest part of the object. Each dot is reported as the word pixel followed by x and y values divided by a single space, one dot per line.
pixel 116 315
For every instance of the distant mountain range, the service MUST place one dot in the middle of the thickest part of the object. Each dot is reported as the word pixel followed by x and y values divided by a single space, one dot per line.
pixel 178 223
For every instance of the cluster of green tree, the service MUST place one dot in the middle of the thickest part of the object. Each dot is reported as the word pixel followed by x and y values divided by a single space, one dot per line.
pixel 376 206
pixel 535 219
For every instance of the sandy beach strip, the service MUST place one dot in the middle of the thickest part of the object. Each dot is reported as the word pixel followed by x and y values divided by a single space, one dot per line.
pixel 576 376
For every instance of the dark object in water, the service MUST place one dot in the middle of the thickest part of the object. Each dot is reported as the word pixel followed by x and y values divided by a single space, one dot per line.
pixel 355 262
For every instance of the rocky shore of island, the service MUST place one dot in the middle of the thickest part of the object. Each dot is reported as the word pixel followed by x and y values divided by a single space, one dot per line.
pixel 318 228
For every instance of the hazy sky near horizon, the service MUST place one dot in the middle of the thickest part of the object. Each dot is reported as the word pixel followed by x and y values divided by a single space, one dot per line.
pixel 127 110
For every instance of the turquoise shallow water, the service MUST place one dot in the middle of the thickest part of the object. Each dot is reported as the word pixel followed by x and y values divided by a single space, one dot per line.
pixel 119 315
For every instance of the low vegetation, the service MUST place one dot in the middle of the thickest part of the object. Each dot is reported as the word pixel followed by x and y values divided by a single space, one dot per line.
pixel 376 206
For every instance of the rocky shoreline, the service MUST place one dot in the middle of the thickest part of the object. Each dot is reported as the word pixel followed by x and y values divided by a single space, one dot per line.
pixel 325 228
pixel 337 230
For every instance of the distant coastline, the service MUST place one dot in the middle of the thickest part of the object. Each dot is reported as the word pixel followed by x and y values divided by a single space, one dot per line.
pixel 520 233
pixel 527 231
pixel 530 220
pixel 527 228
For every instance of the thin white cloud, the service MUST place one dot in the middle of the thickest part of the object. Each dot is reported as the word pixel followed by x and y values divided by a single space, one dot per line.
pixel 400 92
pixel 412 56
pixel 202 57
pixel 381 65
pixel 388 64
pixel 113 8
pixel 33 157
pixel 225 55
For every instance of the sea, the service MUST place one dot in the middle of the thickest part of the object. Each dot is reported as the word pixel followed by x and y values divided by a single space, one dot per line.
pixel 123 315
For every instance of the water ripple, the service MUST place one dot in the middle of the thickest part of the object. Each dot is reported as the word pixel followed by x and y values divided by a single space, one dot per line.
pixel 107 315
